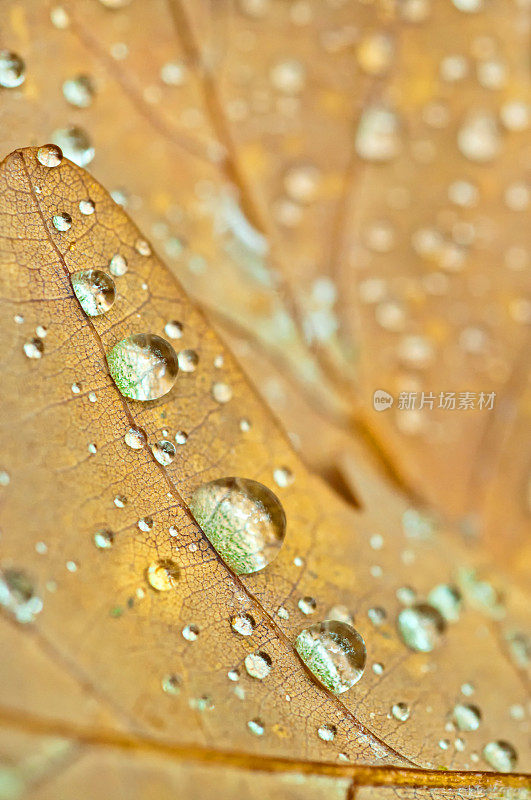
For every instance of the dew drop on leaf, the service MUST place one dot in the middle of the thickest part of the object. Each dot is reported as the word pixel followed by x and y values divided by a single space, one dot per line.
pixel 164 452
pixel 400 711
pixel 104 539
pixel 173 329
pixel 500 755
pixel 95 291
pixel 75 144
pixel 283 477
pixel 49 155
pixel 327 733
pixel 181 437
pixel 334 652
pixel 87 207
pixel 447 600
pixel 135 438
pixel 421 627
pixel 243 624
pixel 34 348
pixel 17 595
pixel 162 575
pixel 117 265
pixel 221 392
pixel 62 222
pixel 258 665
pixel 256 726
pixel 377 138
pixel 190 632
pixel 12 70
pixel 171 684
pixel 242 519
pixel 466 717
pixel 188 360
pixel 79 91
pixel 307 605
pixel 143 366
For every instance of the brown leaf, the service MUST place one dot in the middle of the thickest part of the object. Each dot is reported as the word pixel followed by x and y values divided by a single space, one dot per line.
pixel 106 641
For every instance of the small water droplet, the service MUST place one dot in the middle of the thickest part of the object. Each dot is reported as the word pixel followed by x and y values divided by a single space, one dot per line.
pixel 466 717
pixel 79 91
pixel 283 477
pixel 406 595
pixel 243 624
pixel 245 425
pixel 421 627
pixel 164 452
pixel 146 524
pixel 62 221
pixel 301 183
pixel 104 539
pixel 12 70
pixel 75 144
pixel 233 675
pixel 479 137
pixel 49 155
pixel 400 711
pixel 258 665
pixel 17 595
pixel 143 366
pixel 135 438
pixel 142 247
pixel 188 360
pixel 221 392
pixel 500 755
pixel 171 684
pixel 243 520
pixel 117 265
pixel 288 76
pixel 95 291
pixel 377 138
pixel 163 575
pixel 173 329
pixel 120 501
pixel 181 437
pixel 34 348
pixel 334 652
pixel 307 605
pixel 378 668
pixel 87 207
pixel 190 632
pixel 327 732
pixel 447 600
pixel 256 726
pixel 377 615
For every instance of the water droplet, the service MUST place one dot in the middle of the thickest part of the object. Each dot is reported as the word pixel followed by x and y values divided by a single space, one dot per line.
pixel 173 329
pixel 283 477
pixel 146 524
pixel 4 478
pixel 256 726
pixel 377 138
pixel 142 247
pixel 164 452
pixel 181 437
pixel 190 632
pixel 400 711
pixel 466 717
pixel 163 575
pixel 258 665
pixel 447 600
pixel 95 291
pixel 221 392
pixel 288 76
pixel 104 539
pixel 377 615
pixel 188 360
pixel 243 520
pixel 49 155
pixel 143 366
pixel 233 675
pixel 79 91
pixel 421 627
pixel 135 438
pixel 245 425
pixel 34 348
pixel 17 595
pixel 334 652
pixel 12 70
pixel 378 668
pixel 75 144
pixel 173 73
pixel 307 605
pixel 479 137
pixel 341 614
pixel 117 265
pixel 62 221
pixel 500 755
pixel 375 53
pixel 171 684
pixel 406 595
pixel 327 733
pixel 302 182
pixel 87 207
pixel 120 501
pixel 243 624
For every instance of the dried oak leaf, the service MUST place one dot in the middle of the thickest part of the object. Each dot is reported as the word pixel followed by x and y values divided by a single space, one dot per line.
pixel 86 672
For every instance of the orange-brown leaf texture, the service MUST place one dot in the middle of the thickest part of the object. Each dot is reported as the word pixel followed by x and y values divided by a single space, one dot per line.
pixel 341 188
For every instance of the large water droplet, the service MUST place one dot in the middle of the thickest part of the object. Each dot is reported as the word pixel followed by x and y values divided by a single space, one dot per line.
pixel 143 366
pixel 95 291
pixel 49 155
pixel 243 520
pixel 79 91
pixel 421 627
pixel 164 452
pixel 500 755
pixel 467 717
pixel 75 144
pixel 12 70
pixel 334 652
pixel 163 575
pixel 258 665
